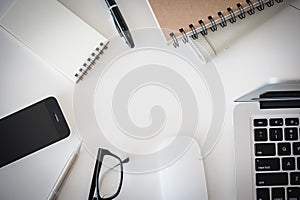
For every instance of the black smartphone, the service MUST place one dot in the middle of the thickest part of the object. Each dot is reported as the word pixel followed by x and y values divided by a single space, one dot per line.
pixel 31 129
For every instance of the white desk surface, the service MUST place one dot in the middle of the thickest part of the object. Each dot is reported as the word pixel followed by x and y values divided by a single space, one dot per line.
pixel 262 54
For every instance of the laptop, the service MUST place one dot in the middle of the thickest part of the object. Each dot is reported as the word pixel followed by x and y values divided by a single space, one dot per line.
pixel 267 143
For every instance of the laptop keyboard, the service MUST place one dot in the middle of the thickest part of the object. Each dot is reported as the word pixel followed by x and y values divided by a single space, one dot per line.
pixel 276 158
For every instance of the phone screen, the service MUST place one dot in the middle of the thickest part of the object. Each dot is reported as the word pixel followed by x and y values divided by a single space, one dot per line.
pixel 31 129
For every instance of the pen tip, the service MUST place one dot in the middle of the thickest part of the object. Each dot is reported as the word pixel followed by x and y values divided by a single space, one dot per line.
pixel 128 38
pixel 131 45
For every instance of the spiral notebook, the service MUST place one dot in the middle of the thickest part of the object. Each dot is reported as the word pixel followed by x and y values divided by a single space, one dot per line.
pixel 188 19
pixel 55 34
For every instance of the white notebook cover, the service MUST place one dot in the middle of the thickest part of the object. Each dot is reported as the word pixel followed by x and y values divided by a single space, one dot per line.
pixel 56 34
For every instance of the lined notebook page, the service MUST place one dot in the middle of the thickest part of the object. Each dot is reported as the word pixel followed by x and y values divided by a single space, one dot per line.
pixel 55 34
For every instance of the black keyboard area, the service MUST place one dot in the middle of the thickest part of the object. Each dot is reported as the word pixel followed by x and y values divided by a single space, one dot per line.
pixel 276 153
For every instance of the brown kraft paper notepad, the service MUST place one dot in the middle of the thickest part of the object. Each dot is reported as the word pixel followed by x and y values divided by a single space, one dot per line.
pixel 177 14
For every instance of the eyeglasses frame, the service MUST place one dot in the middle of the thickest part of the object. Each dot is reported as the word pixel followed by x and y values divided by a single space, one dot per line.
pixel 94 184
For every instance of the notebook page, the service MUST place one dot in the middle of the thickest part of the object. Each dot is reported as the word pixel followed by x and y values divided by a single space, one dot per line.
pixel 54 33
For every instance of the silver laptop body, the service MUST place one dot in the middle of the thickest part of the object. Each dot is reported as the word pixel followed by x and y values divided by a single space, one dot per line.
pixel 266 130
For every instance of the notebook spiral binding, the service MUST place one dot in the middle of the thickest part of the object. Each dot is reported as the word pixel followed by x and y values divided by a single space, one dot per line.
pixel 91 60
pixel 222 20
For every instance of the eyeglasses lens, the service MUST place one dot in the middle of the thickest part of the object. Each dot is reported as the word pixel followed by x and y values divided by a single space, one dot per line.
pixel 110 177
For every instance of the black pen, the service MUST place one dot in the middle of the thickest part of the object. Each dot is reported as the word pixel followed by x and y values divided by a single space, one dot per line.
pixel 120 22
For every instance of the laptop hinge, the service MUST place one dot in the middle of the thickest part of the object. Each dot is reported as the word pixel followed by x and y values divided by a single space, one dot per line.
pixel 280 99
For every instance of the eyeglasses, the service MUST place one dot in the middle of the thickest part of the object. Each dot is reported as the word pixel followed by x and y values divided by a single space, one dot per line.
pixel 108 185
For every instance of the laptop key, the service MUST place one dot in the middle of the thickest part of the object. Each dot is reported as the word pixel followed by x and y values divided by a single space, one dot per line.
pixel 291 121
pixel 284 149
pixel 291 134
pixel 276 122
pixel 296 148
pixel 263 194
pixel 260 134
pixel 275 134
pixel 295 178
pixel 267 164
pixel 278 194
pixel 293 193
pixel 265 149
pixel 271 179
pixel 288 163
pixel 260 122
pixel 298 163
